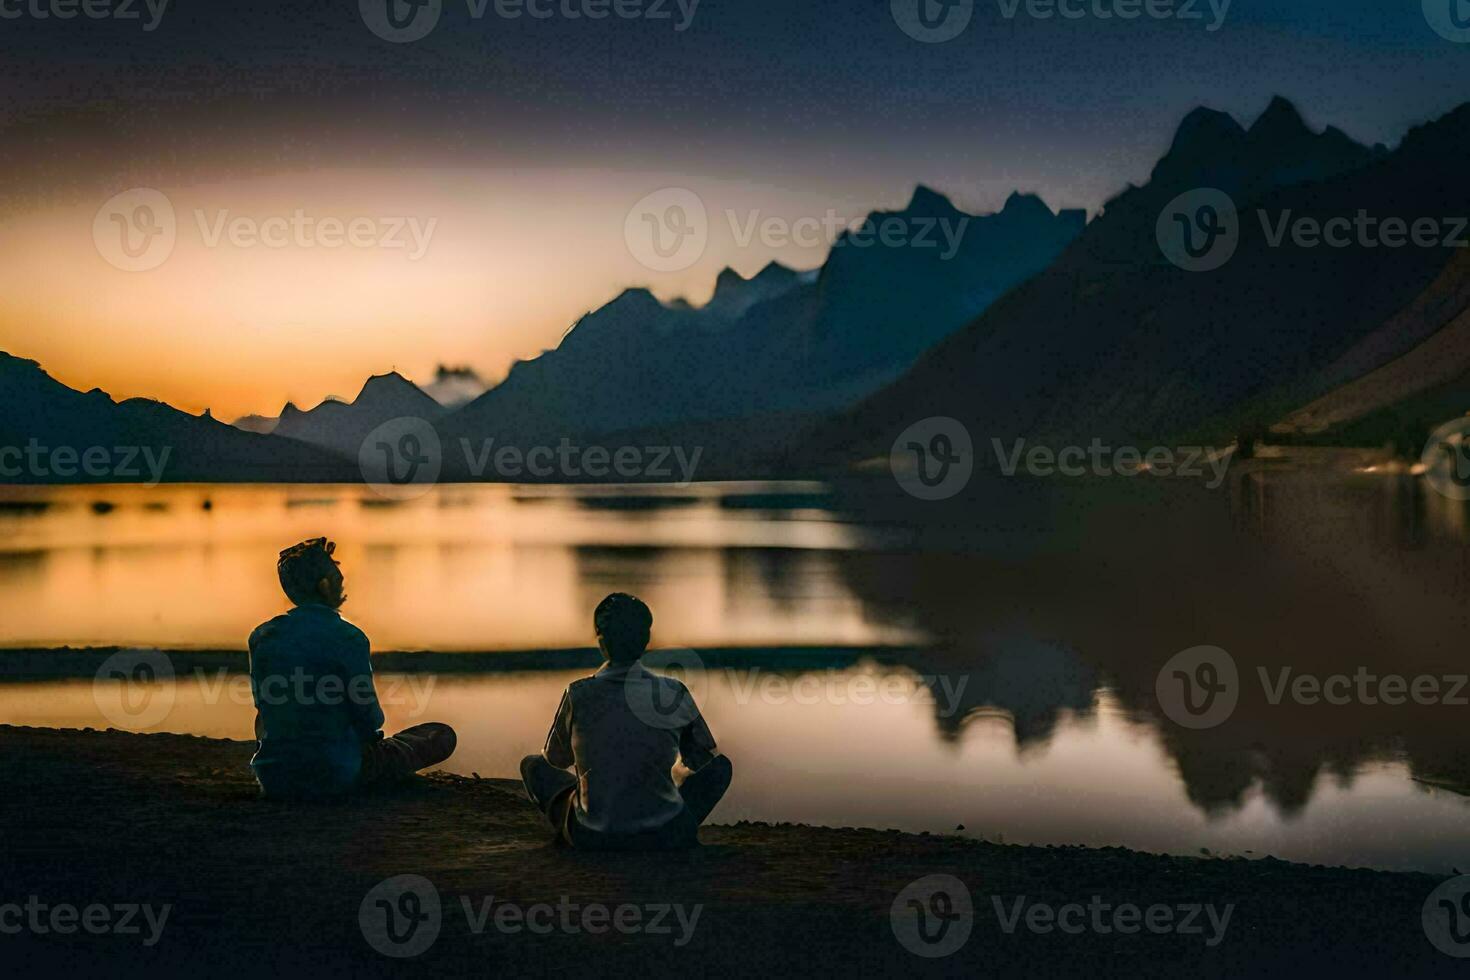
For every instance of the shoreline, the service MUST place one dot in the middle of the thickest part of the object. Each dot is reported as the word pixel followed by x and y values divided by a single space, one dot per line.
pixel 263 887
pixel 39 663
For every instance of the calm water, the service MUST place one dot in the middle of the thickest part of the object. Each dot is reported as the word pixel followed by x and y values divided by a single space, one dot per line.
pixel 1015 639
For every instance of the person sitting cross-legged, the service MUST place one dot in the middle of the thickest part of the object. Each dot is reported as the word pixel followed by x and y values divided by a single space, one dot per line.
pixel 317 717
pixel 605 778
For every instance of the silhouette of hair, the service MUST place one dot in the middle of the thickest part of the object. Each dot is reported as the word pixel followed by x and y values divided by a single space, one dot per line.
pixel 623 624
pixel 301 566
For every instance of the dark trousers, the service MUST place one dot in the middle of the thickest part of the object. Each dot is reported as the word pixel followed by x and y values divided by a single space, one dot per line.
pixel 554 791
pixel 390 760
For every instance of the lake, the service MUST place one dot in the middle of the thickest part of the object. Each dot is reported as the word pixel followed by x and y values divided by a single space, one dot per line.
pixel 991 662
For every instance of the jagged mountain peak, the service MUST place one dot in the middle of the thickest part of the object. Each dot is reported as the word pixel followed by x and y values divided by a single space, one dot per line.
pixel 1281 120
pixel 1205 127
pixel 1025 205
pixel 930 203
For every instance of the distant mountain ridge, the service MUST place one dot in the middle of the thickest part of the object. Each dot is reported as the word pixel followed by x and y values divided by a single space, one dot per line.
pixel 199 448
pixel 1114 341
pixel 780 342
pixel 343 426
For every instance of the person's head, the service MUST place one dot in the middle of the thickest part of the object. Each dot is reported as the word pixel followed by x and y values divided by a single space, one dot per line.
pixel 623 624
pixel 309 574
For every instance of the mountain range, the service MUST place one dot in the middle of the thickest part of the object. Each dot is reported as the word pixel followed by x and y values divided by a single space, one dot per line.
pixel 1115 341
pixel 125 437
pixel 779 344
pixel 1035 324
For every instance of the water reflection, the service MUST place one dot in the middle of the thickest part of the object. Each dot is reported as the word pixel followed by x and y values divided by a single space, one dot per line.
pixel 1034 620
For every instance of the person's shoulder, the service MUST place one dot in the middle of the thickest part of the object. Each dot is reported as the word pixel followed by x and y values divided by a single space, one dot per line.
pixel 351 629
pixel 267 629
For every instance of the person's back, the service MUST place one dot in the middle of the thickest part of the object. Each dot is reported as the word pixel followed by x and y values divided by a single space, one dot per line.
pixel 620 732
pixel 628 727
pixel 318 723
pixel 311 674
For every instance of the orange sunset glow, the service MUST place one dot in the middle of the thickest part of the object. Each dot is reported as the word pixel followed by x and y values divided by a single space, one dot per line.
pixel 504 262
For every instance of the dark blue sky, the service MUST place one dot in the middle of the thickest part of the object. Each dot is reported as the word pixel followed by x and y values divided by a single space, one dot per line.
pixel 790 92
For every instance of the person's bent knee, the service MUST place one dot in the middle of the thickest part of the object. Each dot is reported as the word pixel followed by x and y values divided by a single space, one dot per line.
pixel 448 738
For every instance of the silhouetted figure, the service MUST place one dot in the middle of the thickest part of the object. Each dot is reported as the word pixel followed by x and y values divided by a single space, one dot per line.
pixel 620 732
pixel 317 717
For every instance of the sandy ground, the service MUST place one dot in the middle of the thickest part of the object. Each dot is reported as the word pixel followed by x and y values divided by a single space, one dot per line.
pixel 263 888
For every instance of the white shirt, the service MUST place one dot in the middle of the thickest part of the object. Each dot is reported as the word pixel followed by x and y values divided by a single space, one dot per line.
pixel 622 729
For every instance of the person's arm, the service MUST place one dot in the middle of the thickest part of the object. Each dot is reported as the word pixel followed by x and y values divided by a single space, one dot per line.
pixel 361 693
pixel 558 750
pixel 696 743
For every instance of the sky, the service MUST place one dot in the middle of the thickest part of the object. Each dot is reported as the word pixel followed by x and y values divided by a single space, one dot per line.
pixel 487 171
